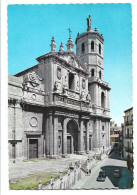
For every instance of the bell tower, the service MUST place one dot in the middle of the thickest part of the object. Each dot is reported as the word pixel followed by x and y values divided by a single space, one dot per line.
pixel 89 48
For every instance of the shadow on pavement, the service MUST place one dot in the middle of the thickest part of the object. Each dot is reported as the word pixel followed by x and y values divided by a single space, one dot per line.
pixel 123 182
pixel 115 154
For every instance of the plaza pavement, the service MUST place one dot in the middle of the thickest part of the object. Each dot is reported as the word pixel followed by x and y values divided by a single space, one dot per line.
pixel 21 169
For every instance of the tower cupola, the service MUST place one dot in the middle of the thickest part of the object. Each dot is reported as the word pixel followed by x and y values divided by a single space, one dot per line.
pixel 70 44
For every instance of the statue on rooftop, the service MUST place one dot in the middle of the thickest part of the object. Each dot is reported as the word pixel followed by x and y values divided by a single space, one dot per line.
pixel 88 23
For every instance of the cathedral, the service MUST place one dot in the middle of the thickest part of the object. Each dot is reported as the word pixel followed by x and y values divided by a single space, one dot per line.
pixel 61 105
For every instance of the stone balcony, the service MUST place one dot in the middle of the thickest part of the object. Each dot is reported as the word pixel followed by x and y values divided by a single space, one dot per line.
pixel 96 79
pixel 129 136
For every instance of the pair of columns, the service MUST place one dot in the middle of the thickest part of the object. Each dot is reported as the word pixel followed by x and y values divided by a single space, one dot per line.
pixel 51 136
pixel 80 137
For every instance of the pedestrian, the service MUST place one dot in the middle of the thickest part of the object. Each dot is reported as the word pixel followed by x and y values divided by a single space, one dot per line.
pixel 87 171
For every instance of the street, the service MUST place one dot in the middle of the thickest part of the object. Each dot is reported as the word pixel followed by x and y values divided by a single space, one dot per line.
pixel 109 165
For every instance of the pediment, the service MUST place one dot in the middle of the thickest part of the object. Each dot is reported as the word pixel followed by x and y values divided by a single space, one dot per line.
pixel 73 60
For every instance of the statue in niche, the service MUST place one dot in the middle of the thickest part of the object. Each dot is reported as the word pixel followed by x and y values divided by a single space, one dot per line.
pixel 59 73
pixel 83 83
pixel 59 141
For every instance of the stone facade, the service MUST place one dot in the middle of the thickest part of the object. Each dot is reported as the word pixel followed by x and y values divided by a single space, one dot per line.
pixel 61 105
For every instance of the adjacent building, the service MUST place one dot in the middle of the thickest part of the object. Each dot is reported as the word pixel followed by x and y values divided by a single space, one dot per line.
pixel 128 137
pixel 115 135
pixel 61 105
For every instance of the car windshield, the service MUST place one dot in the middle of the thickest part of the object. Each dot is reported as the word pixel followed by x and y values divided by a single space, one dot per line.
pixel 116 171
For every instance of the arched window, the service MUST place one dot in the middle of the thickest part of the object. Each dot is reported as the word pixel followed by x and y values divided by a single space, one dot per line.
pixel 102 100
pixel 100 74
pixel 99 48
pixel 92 45
pixel 92 72
pixel 83 47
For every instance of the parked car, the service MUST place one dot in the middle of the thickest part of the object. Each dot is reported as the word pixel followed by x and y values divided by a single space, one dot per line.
pixel 117 173
pixel 101 176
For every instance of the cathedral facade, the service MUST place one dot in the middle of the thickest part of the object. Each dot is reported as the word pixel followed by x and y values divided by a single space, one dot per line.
pixel 61 105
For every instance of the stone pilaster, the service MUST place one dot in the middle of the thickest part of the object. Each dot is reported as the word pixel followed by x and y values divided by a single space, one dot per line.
pixel 55 143
pixel 51 133
pixel 96 137
pixel 47 136
pixel 64 137
pixel 87 137
pixel 81 137
pixel 100 134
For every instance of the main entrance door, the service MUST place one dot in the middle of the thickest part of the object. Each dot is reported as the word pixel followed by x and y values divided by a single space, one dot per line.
pixel 68 144
pixel 72 137
pixel 33 148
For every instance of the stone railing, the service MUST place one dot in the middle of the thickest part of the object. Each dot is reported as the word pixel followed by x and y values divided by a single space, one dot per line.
pixel 66 181
pixel 129 122
pixel 75 173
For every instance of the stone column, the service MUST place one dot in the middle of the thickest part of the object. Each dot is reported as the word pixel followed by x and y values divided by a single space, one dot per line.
pixel 96 135
pixel 81 137
pixel 100 134
pixel 87 137
pixel 47 136
pixel 72 148
pixel 64 137
pixel 50 125
pixel 55 135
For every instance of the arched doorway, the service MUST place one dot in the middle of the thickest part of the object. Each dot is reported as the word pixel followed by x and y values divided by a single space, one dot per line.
pixel 72 137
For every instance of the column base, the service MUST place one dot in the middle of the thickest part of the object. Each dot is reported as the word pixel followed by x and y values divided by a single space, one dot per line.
pixel 64 155
pixel 81 152
pixel 52 156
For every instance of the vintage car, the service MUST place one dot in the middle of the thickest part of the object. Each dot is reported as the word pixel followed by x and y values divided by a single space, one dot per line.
pixel 101 176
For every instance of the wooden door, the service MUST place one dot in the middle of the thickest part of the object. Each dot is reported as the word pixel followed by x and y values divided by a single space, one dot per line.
pixel 68 145
pixel 33 148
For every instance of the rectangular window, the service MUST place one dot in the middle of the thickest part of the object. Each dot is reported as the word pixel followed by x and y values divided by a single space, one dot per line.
pixel 71 81
pixel 83 47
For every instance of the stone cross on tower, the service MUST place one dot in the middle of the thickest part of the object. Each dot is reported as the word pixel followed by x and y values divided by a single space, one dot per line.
pixel 88 23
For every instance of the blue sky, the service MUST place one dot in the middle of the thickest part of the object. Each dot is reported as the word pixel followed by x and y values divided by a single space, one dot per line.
pixel 31 27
